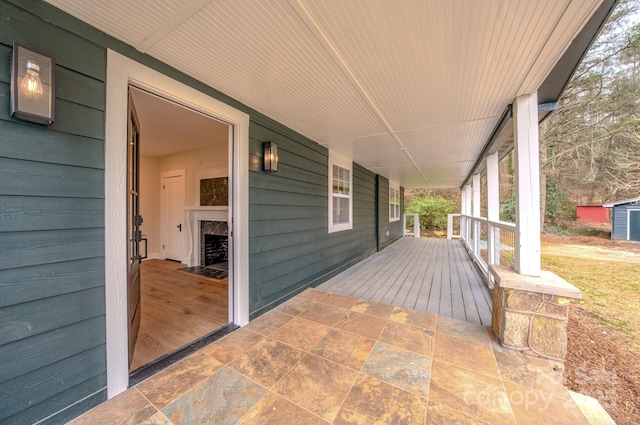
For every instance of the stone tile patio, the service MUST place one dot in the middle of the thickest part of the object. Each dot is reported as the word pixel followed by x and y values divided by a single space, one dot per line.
pixel 325 358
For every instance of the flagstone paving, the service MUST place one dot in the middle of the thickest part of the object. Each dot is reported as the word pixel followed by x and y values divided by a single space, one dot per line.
pixel 323 358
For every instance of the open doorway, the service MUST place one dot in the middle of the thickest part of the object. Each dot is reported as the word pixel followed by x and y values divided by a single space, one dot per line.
pixel 181 238
pixel 121 72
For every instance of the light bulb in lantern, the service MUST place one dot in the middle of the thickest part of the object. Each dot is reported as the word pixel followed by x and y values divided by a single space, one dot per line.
pixel 31 83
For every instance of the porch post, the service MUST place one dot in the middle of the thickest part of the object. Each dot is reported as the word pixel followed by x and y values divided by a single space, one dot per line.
pixel 527 170
pixel 467 211
pixel 463 211
pixel 476 213
pixel 493 209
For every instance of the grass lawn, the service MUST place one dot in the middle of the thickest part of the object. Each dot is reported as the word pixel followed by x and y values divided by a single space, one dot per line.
pixel 610 291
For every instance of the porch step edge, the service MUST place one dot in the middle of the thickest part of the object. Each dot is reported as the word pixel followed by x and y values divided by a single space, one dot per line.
pixel 592 409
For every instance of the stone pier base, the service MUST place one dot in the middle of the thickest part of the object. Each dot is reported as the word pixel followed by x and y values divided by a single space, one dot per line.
pixel 530 313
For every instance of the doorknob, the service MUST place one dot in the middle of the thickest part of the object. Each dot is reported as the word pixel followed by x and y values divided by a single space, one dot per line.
pixel 180 227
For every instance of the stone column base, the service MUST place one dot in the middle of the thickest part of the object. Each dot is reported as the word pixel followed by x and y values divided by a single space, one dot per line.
pixel 530 313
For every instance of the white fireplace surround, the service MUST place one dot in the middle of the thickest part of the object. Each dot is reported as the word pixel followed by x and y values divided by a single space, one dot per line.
pixel 194 216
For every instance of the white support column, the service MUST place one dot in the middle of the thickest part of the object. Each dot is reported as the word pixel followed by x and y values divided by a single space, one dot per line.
pixel 493 209
pixel 467 211
pixel 463 201
pixel 476 195
pixel 463 211
pixel 476 213
pixel 493 188
pixel 527 167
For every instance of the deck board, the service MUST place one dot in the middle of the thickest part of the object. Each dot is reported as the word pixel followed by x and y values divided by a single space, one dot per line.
pixel 425 274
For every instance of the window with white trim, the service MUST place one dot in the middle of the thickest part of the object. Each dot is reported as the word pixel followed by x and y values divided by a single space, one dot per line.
pixel 394 202
pixel 340 193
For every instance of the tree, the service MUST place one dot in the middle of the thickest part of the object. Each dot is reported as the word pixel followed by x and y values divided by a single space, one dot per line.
pixel 590 147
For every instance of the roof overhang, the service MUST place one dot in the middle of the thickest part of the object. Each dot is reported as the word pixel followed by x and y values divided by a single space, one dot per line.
pixel 413 90
pixel 623 202
pixel 501 140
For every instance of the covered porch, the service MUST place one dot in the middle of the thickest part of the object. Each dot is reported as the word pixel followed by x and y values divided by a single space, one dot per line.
pixel 364 99
pixel 326 358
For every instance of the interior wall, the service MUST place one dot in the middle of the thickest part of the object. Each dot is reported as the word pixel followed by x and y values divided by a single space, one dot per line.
pixel 193 161
pixel 150 203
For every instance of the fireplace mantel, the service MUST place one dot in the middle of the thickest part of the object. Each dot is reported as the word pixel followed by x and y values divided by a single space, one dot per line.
pixel 194 216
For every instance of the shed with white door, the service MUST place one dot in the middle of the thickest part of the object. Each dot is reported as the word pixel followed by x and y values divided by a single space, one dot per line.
pixel 625 219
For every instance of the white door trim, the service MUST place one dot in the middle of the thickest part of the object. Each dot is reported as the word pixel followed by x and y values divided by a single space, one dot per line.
pixel 122 71
pixel 629 210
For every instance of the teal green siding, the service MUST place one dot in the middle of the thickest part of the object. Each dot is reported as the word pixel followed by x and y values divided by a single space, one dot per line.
pixel 384 225
pixel 52 307
pixel 52 311
pixel 290 248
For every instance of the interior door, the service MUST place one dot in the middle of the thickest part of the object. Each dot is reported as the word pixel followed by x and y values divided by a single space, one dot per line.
pixel 134 220
pixel 172 212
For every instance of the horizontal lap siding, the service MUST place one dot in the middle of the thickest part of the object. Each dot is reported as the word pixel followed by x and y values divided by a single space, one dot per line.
pixel 290 247
pixel 52 219
pixel 619 222
pixel 394 228
pixel 52 306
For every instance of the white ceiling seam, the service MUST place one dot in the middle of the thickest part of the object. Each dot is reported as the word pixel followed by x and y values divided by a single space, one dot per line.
pixel 176 19
pixel 330 47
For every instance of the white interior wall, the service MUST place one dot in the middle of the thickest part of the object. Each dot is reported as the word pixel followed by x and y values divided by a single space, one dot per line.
pixel 150 203
pixel 194 161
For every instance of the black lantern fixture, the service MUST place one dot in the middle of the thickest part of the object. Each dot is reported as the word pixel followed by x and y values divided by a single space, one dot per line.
pixel 270 157
pixel 32 86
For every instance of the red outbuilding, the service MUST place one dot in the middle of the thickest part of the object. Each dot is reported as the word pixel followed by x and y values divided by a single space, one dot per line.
pixel 592 214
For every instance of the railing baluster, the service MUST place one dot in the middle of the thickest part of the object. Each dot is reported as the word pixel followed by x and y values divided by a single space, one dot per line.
pixel 500 242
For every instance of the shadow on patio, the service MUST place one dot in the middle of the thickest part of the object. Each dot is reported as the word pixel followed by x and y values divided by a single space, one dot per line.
pixel 326 358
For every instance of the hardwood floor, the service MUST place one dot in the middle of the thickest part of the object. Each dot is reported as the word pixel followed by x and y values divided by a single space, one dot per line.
pixel 177 308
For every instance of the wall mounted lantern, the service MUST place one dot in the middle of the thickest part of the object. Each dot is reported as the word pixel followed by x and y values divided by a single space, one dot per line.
pixel 32 86
pixel 270 157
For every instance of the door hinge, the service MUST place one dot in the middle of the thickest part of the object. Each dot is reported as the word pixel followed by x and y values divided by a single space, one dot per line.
pixel 163 246
pixel 162 187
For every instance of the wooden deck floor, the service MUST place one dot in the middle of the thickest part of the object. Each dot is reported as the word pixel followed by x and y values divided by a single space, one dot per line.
pixel 425 274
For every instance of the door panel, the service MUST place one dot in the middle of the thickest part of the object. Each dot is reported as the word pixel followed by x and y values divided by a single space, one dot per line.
pixel 134 220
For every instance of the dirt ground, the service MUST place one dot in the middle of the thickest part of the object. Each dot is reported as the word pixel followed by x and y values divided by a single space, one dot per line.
pixel 599 365
pixel 597 247
pixel 599 362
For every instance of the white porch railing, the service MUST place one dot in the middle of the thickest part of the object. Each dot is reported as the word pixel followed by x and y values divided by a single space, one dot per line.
pixel 488 242
pixel 454 222
pixel 416 225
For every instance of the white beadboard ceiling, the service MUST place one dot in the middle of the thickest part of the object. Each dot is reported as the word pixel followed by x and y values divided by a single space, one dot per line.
pixel 410 89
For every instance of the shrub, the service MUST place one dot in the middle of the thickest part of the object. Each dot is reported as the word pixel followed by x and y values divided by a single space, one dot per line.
pixel 433 210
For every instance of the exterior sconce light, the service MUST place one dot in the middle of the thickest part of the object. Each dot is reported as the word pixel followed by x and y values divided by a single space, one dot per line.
pixel 32 86
pixel 270 157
